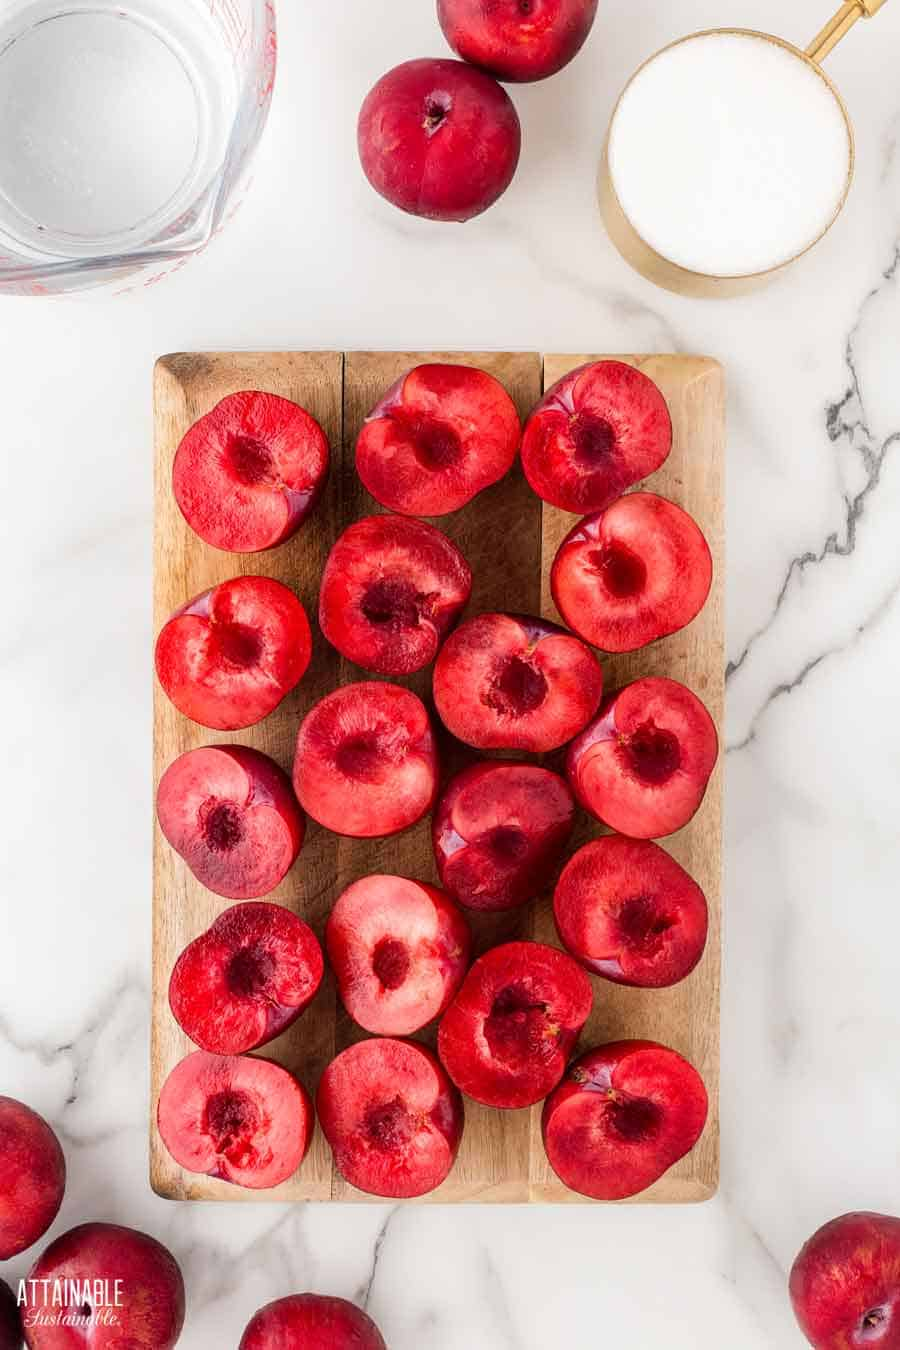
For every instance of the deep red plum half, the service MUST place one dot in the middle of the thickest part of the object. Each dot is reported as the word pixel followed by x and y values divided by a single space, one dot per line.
pixel 622 1116
pixel 392 589
pixel 248 473
pixel 511 682
pixel 507 1035
pixel 597 431
pixel 643 766
pixel 392 1117
pixel 628 911
pixel 439 436
pixel 231 814
pixel 499 832
pixel 633 573
pixel 366 763
pixel 227 659
pixel 246 979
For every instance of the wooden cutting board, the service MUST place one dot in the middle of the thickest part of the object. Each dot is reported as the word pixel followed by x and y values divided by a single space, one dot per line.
pixel 509 537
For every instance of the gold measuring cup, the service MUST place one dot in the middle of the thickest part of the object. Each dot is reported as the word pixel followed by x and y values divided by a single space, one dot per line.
pixel 663 271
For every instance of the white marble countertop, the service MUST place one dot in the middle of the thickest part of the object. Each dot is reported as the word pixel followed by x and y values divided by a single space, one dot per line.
pixel 810 1084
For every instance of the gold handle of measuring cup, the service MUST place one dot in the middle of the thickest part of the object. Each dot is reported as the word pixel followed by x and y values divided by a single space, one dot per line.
pixel 838 27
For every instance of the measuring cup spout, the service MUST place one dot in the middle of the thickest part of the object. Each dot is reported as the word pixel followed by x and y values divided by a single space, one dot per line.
pixel 838 27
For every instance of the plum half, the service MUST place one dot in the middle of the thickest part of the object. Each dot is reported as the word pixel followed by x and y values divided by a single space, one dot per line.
pixel 366 763
pixel 623 1115
pixel 228 658
pixel 399 950
pixel 511 682
pixel 499 831
pixel 392 1117
pixel 246 979
pixel 311 1322
pixel 597 431
pixel 507 1035
pixel 517 40
pixel 628 911
pixel 239 1118
pixel 440 435
pixel 633 573
pixel 230 813
pixel 248 474
pixel 642 767
pixel 32 1177
pixel 391 591
pixel 439 139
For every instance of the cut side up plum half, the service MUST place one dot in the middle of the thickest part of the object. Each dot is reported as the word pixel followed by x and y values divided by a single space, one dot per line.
pixel 499 832
pixel 597 431
pixel 439 139
pixel 643 766
pixel 392 1117
pixel 246 979
pixel 633 573
pixel 391 591
pixel 239 1118
pixel 311 1322
pixel 517 40
pixel 624 1114
pixel 511 682
pixel 399 950
pixel 366 764
pixel 248 474
pixel 628 911
pixel 507 1035
pixel 440 435
pixel 230 813
pixel 227 659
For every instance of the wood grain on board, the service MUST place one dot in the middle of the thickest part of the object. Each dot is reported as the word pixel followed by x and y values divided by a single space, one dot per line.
pixel 509 537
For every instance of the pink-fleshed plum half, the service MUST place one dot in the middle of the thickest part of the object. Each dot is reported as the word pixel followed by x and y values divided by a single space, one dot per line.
pixel 845 1284
pixel 248 474
pixel 392 1118
pixel 230 813
pixel 439 436
pixel 597 431
pixel 311 1322
pixel 391 591
pixel 510 682
pixel 633 573
pixel 622 1116
pixel 628 911
pixel 399 950
pixel 246 979
pixel 643 766
pixel 507 1035
pixel 10 1321
pixel 517 40
pixel 439 139
pixel 132 1266
pixel 499 832
pixel 366 763
pixel 239 1118
pixel 227 659
pixel 32 1177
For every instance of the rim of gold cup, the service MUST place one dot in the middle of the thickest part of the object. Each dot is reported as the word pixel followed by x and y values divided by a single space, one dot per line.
pixel 655 266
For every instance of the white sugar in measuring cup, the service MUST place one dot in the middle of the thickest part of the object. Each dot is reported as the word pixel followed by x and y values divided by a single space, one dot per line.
pixel 127 126
pixel 729 155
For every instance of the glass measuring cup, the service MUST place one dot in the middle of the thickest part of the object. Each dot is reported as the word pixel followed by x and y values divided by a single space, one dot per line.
pixel 128 126
pixel 729 155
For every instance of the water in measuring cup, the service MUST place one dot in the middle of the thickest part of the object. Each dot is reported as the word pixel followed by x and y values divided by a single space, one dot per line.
pixel 114 119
